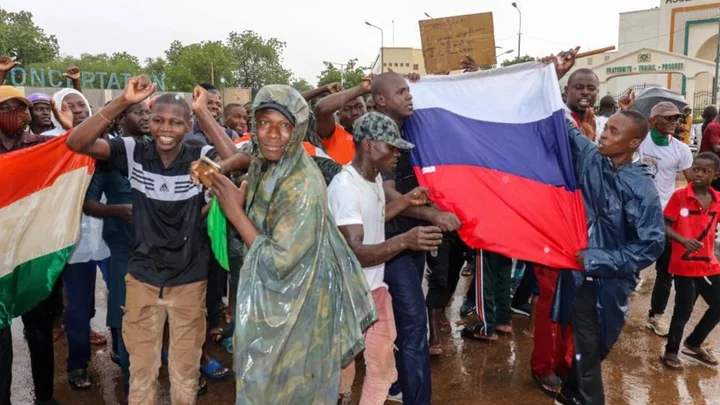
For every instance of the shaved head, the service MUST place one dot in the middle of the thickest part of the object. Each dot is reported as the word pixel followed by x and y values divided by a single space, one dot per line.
pixel 391 93
pixel 381 82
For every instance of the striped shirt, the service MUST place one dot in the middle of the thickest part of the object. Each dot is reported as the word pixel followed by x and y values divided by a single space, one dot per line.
pixel 169 244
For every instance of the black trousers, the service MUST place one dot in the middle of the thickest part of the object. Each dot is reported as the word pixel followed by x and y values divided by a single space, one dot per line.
pixel 527 288
pixel 687 291
pixel 663 283
pixel 445 270
pixel 38 331
pixel 585 379
pixel 216 287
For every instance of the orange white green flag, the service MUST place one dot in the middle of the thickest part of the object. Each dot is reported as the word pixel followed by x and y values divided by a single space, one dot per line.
pixel 43 189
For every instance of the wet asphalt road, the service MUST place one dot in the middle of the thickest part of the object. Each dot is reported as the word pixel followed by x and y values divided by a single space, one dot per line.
pixel 468 372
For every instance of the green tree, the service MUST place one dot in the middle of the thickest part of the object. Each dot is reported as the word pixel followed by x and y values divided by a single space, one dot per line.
pixel 353 74
pixel 21 39
pixel 189 65
pixel 256 61
pixel 515 61
pixel 300 84
pixel 155 66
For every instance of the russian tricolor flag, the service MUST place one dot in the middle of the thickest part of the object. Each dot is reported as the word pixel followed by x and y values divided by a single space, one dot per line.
pixel 493 148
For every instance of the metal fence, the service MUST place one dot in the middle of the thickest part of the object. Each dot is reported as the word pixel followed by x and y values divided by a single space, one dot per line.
pixel 637 88
pixel 701 99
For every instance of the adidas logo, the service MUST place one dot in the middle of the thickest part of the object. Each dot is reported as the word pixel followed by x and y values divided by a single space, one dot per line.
pixel 164 187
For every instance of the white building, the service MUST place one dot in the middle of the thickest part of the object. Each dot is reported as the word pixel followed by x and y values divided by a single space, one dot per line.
pixel 673 45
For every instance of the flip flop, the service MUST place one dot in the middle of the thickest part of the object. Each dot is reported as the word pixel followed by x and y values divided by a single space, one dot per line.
pixel 504 332
pixel 704 356
pixel 671 363
pixel 213 370
pixel 469 333
pixel 436 350
pixel 97 339
pixel 79 380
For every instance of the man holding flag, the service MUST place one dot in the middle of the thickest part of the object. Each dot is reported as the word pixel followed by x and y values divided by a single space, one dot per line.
pixel 36 309
pixel 404 273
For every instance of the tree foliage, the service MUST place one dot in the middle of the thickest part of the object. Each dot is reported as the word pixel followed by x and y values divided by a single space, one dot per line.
pixel 516 60
pixel 301 85
pixel 256 61
pixel 353 74
pixel 189 65
pixel 21 39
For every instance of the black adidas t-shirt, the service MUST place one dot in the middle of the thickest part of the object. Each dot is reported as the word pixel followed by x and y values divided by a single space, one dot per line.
pixel 170 245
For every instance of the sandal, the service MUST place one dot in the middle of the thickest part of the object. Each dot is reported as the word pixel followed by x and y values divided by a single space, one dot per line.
pixel 97 339
pixel 79 380
pixel 217 334
pixel 470 332
pixel 549 384
pixel 700 354
pixel 213 370
pixel 436 350
pixel 202 387
pixel 505 330
pixel 671 363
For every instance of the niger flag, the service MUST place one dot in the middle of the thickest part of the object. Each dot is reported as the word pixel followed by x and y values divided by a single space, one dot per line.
pixel 40 210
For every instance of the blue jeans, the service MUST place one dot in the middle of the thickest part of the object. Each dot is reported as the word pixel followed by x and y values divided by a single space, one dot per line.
pixel 404 275
pixel 79 282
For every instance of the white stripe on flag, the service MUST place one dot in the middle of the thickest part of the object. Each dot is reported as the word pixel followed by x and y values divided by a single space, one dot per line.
pixel 43 222
pixel 529 92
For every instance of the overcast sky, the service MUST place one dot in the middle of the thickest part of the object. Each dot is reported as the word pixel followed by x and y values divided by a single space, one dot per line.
pixel 316 30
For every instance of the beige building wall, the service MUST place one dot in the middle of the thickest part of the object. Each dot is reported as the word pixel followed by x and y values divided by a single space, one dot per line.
pixel 683 27
pixel 400 60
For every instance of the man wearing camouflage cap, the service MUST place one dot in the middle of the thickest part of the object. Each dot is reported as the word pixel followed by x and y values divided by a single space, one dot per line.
pixel 357 203
pixel 665 156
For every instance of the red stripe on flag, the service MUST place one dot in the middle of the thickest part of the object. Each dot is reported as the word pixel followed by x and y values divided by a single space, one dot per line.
pixel 511 215
pixel 28 170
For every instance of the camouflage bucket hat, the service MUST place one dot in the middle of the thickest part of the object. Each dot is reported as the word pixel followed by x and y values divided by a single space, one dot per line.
pixel 379 127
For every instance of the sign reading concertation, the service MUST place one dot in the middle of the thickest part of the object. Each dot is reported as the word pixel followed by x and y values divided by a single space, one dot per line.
pixel 21 76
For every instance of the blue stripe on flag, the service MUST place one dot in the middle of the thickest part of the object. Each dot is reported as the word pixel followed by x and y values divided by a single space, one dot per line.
pixel 536 150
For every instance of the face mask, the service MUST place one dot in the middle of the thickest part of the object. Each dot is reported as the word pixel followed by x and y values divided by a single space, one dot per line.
pixel 13 123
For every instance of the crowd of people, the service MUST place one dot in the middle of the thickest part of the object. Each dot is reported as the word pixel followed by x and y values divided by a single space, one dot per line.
pixel 329 236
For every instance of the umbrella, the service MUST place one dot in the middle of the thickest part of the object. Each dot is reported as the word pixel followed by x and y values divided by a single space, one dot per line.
pixel 648 98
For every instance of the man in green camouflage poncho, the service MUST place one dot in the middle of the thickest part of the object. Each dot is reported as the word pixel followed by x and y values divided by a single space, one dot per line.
pixel 302 302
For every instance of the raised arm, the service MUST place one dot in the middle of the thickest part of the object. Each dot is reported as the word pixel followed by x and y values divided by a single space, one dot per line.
pixel 87 137
pixel 222 142
pixel 73 73
pixel 329 88
pixel 326 108
pixel 6 64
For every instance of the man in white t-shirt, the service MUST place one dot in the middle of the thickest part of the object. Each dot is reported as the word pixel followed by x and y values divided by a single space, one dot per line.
pixel 357 202
pixel 665 156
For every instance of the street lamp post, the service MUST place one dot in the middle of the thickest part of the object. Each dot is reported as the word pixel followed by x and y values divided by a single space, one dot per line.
pixel 519 27
pixel 504 53
pixel 717 68
pixel 342 71
pixel 382 44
